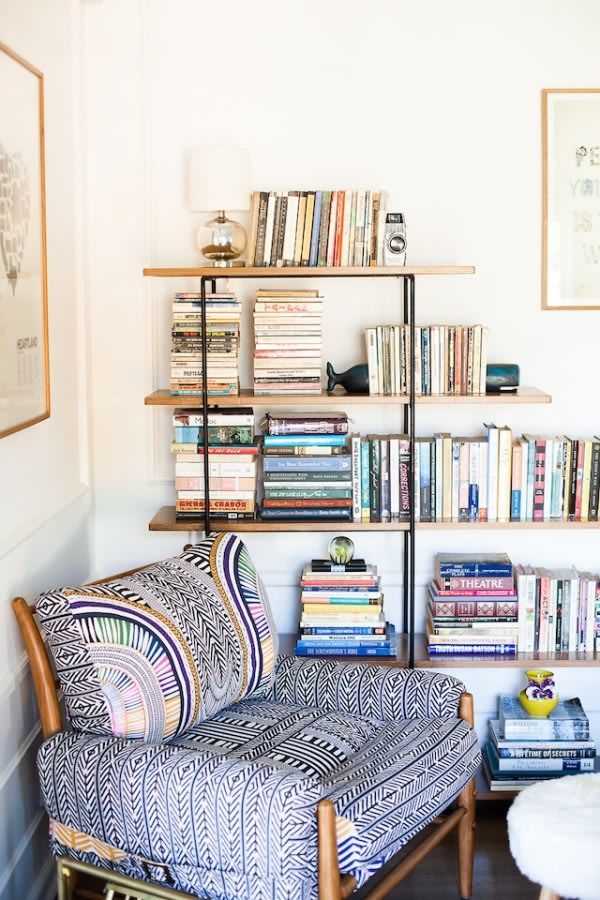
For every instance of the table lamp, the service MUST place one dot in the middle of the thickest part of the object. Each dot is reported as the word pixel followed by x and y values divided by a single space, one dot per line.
pixel 219 180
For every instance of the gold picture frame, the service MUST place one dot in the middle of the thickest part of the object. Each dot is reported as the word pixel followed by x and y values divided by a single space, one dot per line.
pixel 570 198
pixel 24 350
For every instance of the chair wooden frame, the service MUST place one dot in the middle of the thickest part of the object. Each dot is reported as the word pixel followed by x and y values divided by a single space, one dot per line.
pixel 333 885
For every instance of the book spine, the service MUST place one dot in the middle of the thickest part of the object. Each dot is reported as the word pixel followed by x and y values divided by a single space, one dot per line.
pixel 346 651
pixel 356 479
pixel 316 229
pixel 474 582
pixel 365 491
pixel 385 489
pixel 573 479
pixel 276 227
pixel 253 227
pixel 374 471
pixel 404 468
pixel 539 482
pixel 519 753
pixel 299 237
pixel 333 211
pixel 308 228
pixel 267 242
pixel 289 228
pixel 474 608
pixel 339 228
pixel 324 229
pixel 333 514
pixel 594 481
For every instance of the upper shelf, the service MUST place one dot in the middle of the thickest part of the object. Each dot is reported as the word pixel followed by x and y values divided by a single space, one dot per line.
pixel 249 398
pixel 306 271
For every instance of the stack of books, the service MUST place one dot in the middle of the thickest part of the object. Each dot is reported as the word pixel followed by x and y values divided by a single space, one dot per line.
pixel 223 340
pixel 523 750
pixel 559 609
pixel 449 359
pixel 342 611
pixel 316 228
pixel 307 471
pixel 287 342
pixel 232 457
pixel 472 605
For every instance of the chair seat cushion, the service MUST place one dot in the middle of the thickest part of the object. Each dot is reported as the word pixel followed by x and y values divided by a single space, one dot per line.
pixel 229 806
pixel 149 655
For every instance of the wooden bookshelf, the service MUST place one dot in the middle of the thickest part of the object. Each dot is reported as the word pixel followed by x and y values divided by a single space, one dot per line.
pixel 305 271
pixel 165 520
pixel 247 397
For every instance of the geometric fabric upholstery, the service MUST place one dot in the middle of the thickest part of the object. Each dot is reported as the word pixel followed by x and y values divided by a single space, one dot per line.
pixel 226 811
pixel 149 655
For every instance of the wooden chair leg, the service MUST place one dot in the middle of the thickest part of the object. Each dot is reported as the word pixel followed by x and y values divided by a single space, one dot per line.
pixel 329 873
pixel 466 840
pixel 547 894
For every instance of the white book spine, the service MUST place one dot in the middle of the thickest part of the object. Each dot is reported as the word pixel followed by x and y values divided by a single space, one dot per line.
pixel 573 612
pixel 380 360
pixel 366 256
pixel 439 477
pixel 270 224
pixel 590 614
pixel 417 483
pixel 473 476
pixel 359 234
pixel 524 469
pixel 418 373
pixel 352 227
pixel 346 228
pixel 455 478
pixel 521 582
pixel 492 473
pixel 434 358
pixel 371 339
pixel 483 481
pixel 504 473
pixel 356 478
pixel 381 226
pixel 483 370
pixel 548 480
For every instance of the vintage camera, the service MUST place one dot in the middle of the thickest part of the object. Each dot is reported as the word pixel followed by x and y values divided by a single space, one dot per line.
pixel 394 240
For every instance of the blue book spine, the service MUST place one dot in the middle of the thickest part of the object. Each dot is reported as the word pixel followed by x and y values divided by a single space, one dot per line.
pixel 307 464
pixel 187 433
pixel 473 502
pixel 353 629
pixel 346 651
pixel 304 440
pixel 316 228
pixel 344 645
pixel 515 504
pixel 471 649
pixel 530 480
pixel 365 489
pixel 476 570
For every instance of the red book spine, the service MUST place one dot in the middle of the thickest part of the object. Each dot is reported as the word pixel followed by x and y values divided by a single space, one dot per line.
pixel 539 479
pixel 481 593
pixel 579 488
pixel 461 585
pixel 339 227
pixel 480 608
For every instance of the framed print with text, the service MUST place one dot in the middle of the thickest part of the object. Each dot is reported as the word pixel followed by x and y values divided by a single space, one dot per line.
pixel 24 367
pixel 571 198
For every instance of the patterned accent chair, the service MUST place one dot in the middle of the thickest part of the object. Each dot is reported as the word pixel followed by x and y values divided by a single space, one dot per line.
pixel 304 787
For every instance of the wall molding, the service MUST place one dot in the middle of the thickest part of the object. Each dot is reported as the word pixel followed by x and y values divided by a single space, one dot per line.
pixel 42 518
pixel 20 849
pixel 13 678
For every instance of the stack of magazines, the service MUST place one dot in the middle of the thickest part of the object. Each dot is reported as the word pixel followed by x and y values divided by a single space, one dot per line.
pixel 522 750
pixel 342 611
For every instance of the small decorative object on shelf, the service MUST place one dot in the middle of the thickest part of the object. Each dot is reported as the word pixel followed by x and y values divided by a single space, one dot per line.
pixel 501 378
pixel 523 749
pixel 341 550
pixel 354 380
pixel 394 240
pixel 540 696
pixel 219 179
pixel 317 228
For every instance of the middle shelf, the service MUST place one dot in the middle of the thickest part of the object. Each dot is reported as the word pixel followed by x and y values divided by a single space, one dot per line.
pixel 247 397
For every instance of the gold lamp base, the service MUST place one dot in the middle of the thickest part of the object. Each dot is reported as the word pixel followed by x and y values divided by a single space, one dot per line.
pixel 222 241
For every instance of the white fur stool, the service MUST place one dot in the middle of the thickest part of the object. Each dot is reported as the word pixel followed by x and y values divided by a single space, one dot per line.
pixel 554 833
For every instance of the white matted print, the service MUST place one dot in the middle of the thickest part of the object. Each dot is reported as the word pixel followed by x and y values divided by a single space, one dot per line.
pixel 24 370
pixel 571 198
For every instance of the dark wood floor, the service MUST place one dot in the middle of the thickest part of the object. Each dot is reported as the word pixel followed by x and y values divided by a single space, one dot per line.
pixel 495 878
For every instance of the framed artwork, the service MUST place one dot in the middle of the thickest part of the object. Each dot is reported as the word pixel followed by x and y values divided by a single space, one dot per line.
pixel 571 198
pixel 24 368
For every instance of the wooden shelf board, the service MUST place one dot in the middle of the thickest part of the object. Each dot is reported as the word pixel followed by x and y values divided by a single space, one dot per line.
pixel 165 520
pixel 247 397
pixel 483 791
pixel 305 271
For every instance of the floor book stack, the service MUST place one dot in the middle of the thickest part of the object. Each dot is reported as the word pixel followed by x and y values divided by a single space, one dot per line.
pixel 522 750
pixel 287 342
pixel 473 606
pixel 306 468
pixel 223 341
pixel 342 611
pixel 232 461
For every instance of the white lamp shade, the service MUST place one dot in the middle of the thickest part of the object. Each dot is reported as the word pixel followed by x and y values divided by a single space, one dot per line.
pixel 219 178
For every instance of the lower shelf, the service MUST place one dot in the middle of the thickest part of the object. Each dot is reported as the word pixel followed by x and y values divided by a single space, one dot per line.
pixel 424 661
pixel 165 520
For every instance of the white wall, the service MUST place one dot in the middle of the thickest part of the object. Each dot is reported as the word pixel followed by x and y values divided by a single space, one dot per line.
pixel 44 503
pixel 440 104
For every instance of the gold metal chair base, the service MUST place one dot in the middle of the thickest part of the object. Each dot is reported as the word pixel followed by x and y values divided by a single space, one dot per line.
pixel 112 885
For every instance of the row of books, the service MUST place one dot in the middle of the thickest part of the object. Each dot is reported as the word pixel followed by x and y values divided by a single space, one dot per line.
pixel 298 486
pixel 223 339
pixel 316 228
pixel 449 359
pixel 472 605
pixel 477 479
pixel 287 342
pixel 232 463
pixel 522 749
pixel 342 611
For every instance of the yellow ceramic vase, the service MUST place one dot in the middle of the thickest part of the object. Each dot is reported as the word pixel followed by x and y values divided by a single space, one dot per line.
pixel 539 698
